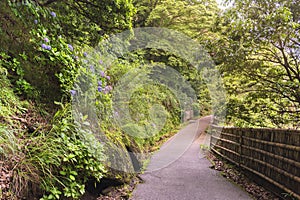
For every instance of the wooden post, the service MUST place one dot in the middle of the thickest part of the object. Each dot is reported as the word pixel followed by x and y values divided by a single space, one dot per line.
pixel 240 147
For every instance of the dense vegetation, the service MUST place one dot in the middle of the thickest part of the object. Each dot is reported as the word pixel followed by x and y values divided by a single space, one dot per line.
pixel 260 55
pixel 48 150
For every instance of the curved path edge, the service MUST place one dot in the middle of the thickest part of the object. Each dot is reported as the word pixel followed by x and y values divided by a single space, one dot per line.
pixel 189 176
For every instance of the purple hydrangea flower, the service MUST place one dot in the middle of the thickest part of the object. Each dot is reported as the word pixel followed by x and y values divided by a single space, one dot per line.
pixel 92 68
pixel 53 14
pixel 85 54
pixel 72 92
pixel 99 83
pixel 75 57
pixel 99 88
pixel 35 21
pixel 44 46
pixel 48 47
pixel 70 47
pixel 46 40
pixel 101 62
pixel 108 88
pixel 108 77
pixel 102 74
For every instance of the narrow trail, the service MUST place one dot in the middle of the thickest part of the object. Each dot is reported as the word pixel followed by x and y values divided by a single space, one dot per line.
pixel 180 171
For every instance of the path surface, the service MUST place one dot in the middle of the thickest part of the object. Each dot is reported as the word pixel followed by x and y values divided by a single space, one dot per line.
pixel 188 177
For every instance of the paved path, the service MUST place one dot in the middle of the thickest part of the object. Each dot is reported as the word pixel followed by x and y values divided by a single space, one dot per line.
pixel 188 177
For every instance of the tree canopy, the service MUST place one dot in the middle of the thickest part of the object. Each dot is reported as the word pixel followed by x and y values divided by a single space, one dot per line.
pixel 260 55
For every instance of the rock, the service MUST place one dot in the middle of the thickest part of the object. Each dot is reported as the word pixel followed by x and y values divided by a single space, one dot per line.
pixel 97 188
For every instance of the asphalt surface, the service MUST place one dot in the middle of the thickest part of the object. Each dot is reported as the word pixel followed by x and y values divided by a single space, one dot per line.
pixel 180 171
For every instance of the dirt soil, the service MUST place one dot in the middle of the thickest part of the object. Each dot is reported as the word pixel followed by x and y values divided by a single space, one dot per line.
pixel 233 174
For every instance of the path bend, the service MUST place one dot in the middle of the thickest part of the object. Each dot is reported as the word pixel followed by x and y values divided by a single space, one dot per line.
pixel 188 177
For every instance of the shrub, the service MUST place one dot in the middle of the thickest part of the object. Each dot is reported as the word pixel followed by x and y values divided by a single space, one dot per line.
pixel 80 157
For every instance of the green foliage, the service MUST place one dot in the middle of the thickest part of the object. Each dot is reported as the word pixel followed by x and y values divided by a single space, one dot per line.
pixel 49 60
pixel 260 56
pixel 59 161
pixel 16 75
pixel 197 20
pixel 88 21
pixel 44 52
pixel 32 65
pixel 194 18
pixel 9 103
pixel 80 158
pixel 155 111
pixel 8 142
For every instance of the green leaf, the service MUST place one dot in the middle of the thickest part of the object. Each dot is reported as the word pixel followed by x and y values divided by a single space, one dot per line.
pixel 63 173
pixel 72 177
